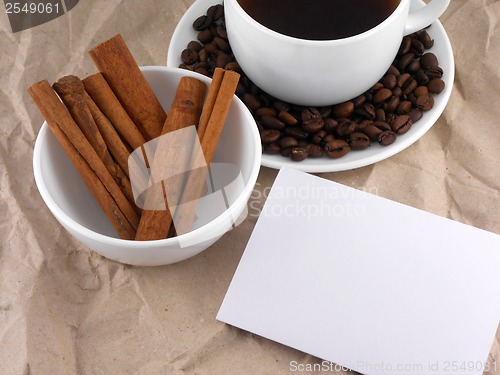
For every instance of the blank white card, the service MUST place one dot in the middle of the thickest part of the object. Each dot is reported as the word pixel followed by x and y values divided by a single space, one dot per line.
pixel 367 283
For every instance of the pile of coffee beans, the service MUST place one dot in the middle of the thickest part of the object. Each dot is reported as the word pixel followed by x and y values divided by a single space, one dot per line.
pixel 388 109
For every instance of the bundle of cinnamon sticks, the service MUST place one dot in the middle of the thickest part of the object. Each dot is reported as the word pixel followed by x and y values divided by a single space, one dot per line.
pixel 102 118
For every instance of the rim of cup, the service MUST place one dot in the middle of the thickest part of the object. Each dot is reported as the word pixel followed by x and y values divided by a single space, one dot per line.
pixel 395 14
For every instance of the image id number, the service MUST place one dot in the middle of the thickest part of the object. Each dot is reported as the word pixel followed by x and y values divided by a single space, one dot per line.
pixel 33 8
pixel 453 366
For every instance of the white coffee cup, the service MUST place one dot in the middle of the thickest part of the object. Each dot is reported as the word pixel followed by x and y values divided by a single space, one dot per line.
pixel 321 72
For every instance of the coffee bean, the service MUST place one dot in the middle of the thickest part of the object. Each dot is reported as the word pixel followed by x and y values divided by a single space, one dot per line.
pixel 415 114
pixel 386 138
pixel 380 113
pixel 336 148
pixel 272 149
pixel 403 78
pixel 218 13
pixel 211 13
pixel 330 125
pixel 200 23
pixel 346 128
pixel 280 105
pixel 312 121
pixel 314 151
pixel 212 50
pixel 287 118
pixel 205 36
pixel 221 31
pixel 397 92
pixel 429 61
pixel 404 107
pixel 288 142
pixel 377 86
pixel 436 86
pixel 296 132
pixel 318 138
pixel 417 47
pixel 425 102
pixel 394 71
pixel 409 86
pixel 426 39
pixel 382 96
pixel 266 111
pixel 310 113
pixel 421 90
pixel 389 119
pixel 402 124
pixel 389 81
pixel 194 45
pixel 251 102
pixel 189 56
pixel 270 122
pixel 222 44
pixel 421 77
pixel 390 106
pixel 405 46
pixel 382 125
pixel 298 153
pixel 328 138
pixel 270 135
pixel 434 73
pixel 222 60
pixel 414 67
pixel 343 110
pixel 359 141
pixel 234 66
pixel 203 55
pixel 369 97
pixel 405 60
pixel 325 111
pixel 286 152
pixel 367 110
pixel 361 125
pixel 313 125
pixel 372 132
pixel 358 100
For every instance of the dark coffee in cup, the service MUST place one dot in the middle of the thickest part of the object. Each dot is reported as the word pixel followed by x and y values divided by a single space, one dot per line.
pixel 319 19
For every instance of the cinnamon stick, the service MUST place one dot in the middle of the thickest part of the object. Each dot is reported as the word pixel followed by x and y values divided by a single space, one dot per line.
pixel 185 111
pixel 186 210
pixel 85 159
pixel 72 92
pixel 115 145
pixel 210 101
pixel 100 92
pixel 115 61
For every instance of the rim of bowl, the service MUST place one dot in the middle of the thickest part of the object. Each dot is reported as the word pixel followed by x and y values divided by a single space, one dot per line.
pixel 203 231
pixel 299 41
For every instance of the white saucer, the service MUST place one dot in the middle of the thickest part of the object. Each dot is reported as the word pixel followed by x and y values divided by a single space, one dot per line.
pixel 184 33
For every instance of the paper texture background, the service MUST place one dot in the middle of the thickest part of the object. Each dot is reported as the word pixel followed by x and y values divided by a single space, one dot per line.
pixel 66 310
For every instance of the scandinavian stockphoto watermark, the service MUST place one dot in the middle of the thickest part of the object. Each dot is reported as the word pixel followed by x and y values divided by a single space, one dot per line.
pixel 452 366
pixel 310 201
pixel 24 14
pixel 170 173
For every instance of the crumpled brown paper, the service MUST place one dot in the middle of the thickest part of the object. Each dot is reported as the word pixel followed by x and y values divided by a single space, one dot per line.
pixel 66 310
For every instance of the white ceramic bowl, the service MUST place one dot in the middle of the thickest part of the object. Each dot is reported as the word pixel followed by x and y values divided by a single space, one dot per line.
pixel 69 200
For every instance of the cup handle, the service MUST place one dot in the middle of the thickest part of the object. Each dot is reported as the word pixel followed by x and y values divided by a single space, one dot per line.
pixel 425 16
